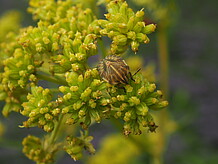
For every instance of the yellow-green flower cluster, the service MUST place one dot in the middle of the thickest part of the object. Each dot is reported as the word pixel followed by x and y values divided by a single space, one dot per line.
pixel 62 42
pixel 135 103
pixel 83 99
pixel 76 145
pixel 13 98
pixel 33 149
pixel 66 33
pixel 18 71
pixel 10 24
pixel 125 27
pixel 42 112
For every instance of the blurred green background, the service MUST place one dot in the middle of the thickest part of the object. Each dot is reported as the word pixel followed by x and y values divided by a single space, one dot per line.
pixel 193 93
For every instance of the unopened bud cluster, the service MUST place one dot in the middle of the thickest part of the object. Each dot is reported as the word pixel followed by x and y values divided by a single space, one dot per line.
pixel 76 145
pixel 125 27
pixel 19 70
pixel 42 112
pixel 83 99
pixel 65 33
pixel 9 29
pixel 134 104
pixel 33 149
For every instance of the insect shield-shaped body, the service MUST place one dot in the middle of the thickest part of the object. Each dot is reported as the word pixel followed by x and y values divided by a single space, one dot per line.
pixel 114 70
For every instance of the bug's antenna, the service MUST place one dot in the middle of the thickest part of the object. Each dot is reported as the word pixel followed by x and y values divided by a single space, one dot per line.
pixel 131 76
pixel 136 72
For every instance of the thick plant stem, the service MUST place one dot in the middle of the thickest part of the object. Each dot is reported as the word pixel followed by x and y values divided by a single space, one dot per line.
pixel 163 116
pixel 163 59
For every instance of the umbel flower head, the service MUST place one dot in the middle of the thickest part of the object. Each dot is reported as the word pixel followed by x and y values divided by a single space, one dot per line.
pixel 76 145
pixel 34 149
pixel 83 99
pixel 42 112
pixel 10 25
pixel 19 70
pixel 125 27
pixel 65 35
pixel 134 104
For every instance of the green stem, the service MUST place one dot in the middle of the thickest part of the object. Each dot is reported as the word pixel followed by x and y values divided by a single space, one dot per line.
pixel 94 7
pixel 102 47
pixel 163 115
pixel 55 133
pixel 163 59
pixel 54 90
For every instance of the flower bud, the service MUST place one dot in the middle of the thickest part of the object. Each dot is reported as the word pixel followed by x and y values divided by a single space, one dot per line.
pixel 149 29
pixel 74 88
pixel 120 39
pixel 138 27
pixel 134 46
pixel 77 105
pixel 151 87
pixel 121 97
pixel 85 95
pixel 131 35
pixel 142 109
pixel 133 101
pixel 48 127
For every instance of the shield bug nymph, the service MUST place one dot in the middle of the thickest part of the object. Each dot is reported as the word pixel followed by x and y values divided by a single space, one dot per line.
pixel 114 70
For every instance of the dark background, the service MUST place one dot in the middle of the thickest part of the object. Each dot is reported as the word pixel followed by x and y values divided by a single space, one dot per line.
pixel 193 86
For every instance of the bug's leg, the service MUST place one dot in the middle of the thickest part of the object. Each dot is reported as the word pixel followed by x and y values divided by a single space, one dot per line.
pixel 136 72
pixel 131 76
pixel 120 86
pixel 124 89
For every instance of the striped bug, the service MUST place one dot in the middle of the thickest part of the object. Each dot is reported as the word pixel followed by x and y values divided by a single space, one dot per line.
pixel 114 70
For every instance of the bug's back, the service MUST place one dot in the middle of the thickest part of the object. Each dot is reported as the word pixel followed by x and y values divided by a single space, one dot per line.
pixel 114 70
